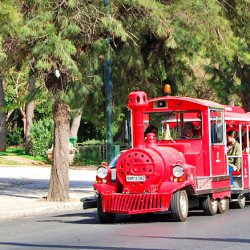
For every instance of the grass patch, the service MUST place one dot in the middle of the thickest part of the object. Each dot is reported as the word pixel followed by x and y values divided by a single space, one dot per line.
pixel 18 151
pixel 15 151
pixel 37 158
pixel 3 153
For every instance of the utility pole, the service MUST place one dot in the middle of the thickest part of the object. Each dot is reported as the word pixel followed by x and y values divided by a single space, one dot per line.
pixel 108 93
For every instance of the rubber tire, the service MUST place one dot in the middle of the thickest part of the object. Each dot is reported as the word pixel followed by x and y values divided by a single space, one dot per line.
pixel 241 201
pixel 223 205
pixel 179 206
pixel 210 206
pixel 105 218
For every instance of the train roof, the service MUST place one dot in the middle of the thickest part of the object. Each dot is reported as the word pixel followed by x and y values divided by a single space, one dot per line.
pixel 232 113
pixel 240 117
pixel 200 102
pixel 235 113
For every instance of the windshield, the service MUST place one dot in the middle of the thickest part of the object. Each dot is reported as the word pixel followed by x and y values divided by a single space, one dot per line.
pixel 177 125
pixel 113 162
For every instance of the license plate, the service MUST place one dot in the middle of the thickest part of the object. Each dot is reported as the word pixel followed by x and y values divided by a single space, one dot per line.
pixel 131 178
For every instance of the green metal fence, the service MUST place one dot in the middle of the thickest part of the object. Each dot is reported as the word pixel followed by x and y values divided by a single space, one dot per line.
pixel 96 153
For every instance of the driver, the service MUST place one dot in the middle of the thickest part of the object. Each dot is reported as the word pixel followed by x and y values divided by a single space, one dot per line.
pixel 151 129
pixel 188 130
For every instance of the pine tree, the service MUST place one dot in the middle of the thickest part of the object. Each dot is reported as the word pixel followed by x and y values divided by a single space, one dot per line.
pixel 10 21
pixel 231 75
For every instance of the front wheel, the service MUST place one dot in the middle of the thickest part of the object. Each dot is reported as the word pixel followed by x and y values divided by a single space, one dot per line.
pixel 210 206
pixel 179 205
pixel 105 218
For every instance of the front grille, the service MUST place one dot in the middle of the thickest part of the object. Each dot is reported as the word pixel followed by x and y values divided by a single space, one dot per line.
pixel 135 203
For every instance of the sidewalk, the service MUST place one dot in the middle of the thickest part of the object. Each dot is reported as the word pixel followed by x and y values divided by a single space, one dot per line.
pixel 22 189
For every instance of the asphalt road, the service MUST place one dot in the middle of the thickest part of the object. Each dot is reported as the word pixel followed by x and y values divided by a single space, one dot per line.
pixel 81 230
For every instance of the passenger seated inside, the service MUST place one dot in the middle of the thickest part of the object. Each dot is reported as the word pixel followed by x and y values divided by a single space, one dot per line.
pixel 233 149
pixel 188 130
pixel 151 129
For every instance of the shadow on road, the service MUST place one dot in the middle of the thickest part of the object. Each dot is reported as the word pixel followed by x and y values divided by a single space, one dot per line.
pixel 48 246
pixel 90 217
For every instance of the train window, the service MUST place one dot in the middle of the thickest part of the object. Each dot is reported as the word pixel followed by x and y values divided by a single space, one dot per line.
pixel 190 125
pixel 216 126
pixel 245 141
pixel 175 125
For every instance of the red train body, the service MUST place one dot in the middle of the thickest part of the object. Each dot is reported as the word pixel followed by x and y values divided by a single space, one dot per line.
pixel 168 171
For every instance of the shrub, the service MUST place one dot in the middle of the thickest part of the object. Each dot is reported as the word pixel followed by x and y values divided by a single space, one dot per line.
pixel 42 137
pixel 15 137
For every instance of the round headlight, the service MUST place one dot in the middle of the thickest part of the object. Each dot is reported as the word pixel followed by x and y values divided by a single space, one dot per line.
pixel 178 171
pixel 102 172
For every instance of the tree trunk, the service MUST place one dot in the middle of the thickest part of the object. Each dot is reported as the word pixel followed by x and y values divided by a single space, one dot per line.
pixel 244 75
pixel 3 125
pixel 23 113
pixel 59 178
pixel 75 124
pixel 30 106
pixel 245 101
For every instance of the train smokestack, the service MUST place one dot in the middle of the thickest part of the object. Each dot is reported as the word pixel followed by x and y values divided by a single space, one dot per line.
pixel 137 103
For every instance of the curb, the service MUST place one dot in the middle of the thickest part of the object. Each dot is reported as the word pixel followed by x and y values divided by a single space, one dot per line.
pixel 42 210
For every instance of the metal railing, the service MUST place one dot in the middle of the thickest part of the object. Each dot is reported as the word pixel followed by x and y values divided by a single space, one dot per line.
pixel 97 152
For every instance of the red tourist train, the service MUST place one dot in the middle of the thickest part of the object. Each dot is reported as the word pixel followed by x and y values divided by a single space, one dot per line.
pixel 170 171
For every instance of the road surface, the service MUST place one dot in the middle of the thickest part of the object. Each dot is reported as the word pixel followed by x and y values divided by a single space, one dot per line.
pixel 82 230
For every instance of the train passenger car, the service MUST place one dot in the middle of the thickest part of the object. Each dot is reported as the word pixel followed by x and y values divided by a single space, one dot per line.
pixel 182 166
pixel 238 120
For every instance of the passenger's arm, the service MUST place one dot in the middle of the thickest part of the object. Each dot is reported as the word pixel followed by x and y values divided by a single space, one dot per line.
pixel 237 161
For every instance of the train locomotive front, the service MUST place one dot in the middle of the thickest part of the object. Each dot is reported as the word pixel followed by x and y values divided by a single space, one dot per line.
pixel 149 179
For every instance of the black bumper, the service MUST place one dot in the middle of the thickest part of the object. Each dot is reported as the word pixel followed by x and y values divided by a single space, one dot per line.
pixel 89 202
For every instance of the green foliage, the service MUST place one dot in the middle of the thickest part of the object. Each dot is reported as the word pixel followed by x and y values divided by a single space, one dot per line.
pixel 115 27
pixel 192 45
pixel 230 77
pixel 10 23
pixel 16 87
pixel 15 137
pixel 2 54
pixel 42 137
pixel 43 109
pixel 89 131
pixel 15 151
pixel 10 17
